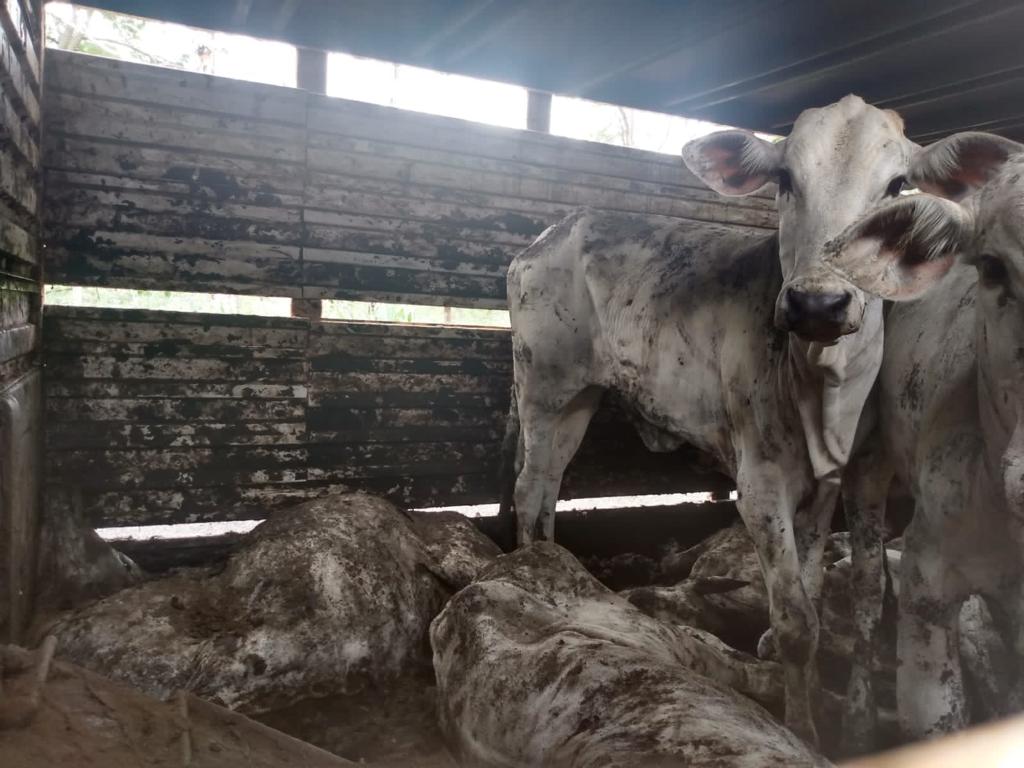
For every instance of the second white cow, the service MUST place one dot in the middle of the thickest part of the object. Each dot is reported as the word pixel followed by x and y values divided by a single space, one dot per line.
pixel 951 409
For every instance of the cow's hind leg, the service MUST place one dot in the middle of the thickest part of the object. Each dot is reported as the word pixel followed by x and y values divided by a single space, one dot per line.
pixel 767 503
pixel 551 436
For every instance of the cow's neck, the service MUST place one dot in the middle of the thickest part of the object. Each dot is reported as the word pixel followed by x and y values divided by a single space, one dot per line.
pixel 830 385
pixel 1000 412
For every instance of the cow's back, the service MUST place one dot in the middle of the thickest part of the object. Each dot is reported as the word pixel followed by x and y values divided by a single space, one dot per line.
pixel 676 316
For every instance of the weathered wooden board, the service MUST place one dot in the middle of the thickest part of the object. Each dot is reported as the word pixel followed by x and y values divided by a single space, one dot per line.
pixel 20 385
pixel 158 417
pixel 168 180
pixel 163 178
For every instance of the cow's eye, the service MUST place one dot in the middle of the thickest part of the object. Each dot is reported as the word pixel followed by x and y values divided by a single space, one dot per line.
pixel 896 186
pixel 991 270
pixel 785 182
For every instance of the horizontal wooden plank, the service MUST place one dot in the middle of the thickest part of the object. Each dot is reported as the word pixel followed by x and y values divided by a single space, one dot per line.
pixel 140 324
pixel 567 192
pixel 387 418
pixel 403 207
pixel 17 243
pixel 339 117
pixel 326 332
pixel 107 78
pixel 19 183
pixel 131 260
pixel 448 250
pixel 390 153
pixel 61 437
pixel 15 308
pixel 193 505
pixel 14 369
pixel 168 410
pixel 415 400
pixel 200 184
pixel 174 215
pixel 325 280
pixel 341 354
pixel 434 432
pixel 85 115
pixel 407 383
pixel 169 335
pixel 18 341
pixel 345 363
pixel 192 171
pixel 203 390
pixel 337 462
pixel 175 350
pixel 352 194
pixel 85 366
pixel 166 468
pixel 160 129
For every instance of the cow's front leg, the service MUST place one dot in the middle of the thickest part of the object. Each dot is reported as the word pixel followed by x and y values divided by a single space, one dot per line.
pixel 767 504
pixel 811 529
pixel 865 487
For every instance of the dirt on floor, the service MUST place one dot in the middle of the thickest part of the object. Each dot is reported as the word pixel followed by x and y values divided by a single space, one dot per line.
pixel 77 718
pixel 393 727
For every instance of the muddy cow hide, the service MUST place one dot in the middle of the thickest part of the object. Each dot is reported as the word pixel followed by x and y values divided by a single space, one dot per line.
pixel 538 664
pixel 724 593
pixel 323 599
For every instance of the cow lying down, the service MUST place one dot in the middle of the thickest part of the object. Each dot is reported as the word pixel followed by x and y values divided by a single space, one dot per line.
pixel 538 664
pixel 325 598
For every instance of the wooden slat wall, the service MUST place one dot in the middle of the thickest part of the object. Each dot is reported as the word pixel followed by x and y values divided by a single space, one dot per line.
pixel 162 179
pixel 156 417
pixel 20 385
pixel 159 178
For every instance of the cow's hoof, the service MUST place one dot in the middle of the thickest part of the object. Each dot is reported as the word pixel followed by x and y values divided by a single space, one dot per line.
pixel 767 650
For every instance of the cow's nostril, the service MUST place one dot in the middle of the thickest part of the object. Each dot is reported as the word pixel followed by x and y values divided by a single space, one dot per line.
pixel 806 305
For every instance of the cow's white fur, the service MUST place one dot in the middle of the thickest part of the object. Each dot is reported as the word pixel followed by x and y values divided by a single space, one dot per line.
pixel 951 408
pixel 680 320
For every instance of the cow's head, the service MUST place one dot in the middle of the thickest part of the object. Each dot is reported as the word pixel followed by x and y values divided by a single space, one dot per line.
pixel 837 164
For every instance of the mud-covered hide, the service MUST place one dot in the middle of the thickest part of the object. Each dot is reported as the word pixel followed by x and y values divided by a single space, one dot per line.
pixel 538 664
pixel 988 660
pixel 459 550
pixel 724 593
pixel 76 565
pixel 322 599
pixel 721 589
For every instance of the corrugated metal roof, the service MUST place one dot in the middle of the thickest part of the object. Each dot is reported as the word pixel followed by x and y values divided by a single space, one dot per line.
pixel 946 65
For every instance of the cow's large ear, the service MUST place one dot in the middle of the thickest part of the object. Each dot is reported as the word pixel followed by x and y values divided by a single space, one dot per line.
pixel 733 162
pixel 959 164
pixel 904 248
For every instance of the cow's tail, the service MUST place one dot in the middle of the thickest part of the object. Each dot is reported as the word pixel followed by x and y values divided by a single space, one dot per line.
pixel 507 473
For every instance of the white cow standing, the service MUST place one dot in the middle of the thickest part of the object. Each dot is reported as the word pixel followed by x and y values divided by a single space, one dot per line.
pixel 951 409
pixel 746 346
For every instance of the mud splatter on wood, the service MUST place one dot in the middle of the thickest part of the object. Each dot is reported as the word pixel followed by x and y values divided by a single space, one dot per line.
pixel 20 383
pixel 171 417
pixel 163 179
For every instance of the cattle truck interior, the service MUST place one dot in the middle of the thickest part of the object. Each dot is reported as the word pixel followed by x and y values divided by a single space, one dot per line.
pixel 454 383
